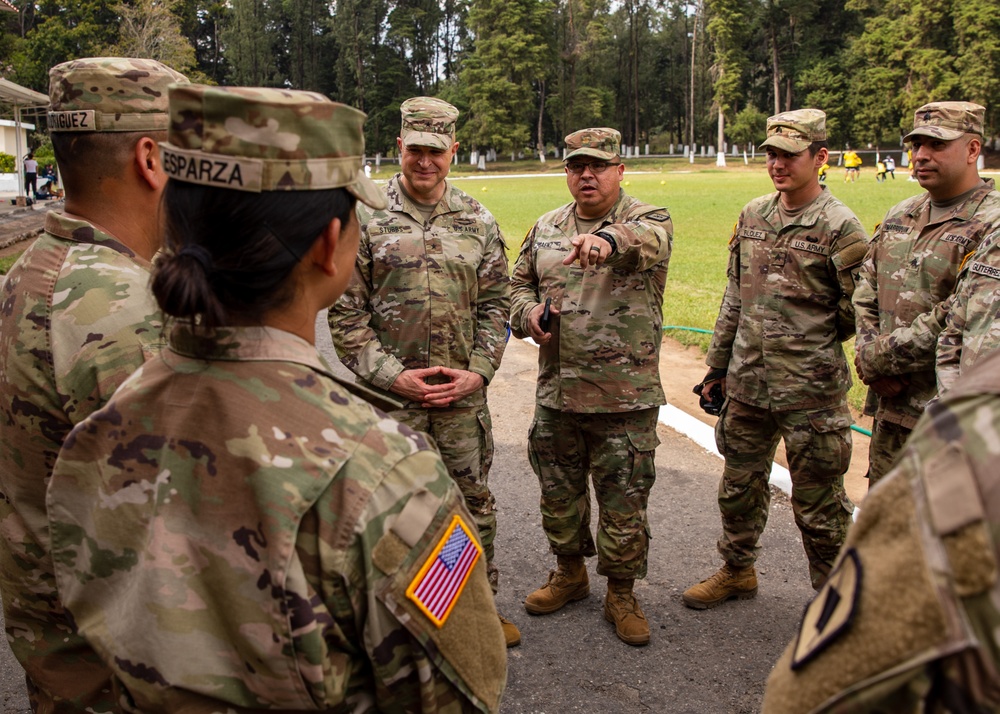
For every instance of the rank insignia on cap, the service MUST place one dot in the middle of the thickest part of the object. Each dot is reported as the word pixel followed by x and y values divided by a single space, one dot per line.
pixel 440 581
pixel 830 613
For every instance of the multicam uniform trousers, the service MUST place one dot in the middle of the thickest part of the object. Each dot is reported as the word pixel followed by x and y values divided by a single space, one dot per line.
pixel 615 451
pixel 818 446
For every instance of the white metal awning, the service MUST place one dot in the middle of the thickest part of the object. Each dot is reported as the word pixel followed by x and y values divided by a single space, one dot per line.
pixel 11 93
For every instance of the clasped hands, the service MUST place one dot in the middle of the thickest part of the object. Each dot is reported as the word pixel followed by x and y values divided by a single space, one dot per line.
pixel 413 384
pixel 888 387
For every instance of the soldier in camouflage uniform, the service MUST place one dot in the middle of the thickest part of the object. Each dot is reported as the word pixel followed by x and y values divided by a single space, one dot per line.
pixel 793 262
pixel 909 621
pixel 425 316
pixel 911 270
pixel 235 530
pixel 600 263
pixel 77 320
pixel 972 325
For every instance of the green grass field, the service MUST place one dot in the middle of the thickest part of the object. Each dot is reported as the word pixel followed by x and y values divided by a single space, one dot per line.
pixel 704 205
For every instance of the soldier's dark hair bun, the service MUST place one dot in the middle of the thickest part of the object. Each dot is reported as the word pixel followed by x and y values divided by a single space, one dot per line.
pixel 228 254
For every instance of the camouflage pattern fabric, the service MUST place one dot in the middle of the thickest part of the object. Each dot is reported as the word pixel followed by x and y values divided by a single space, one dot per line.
pixel 76 320
pixel 787 305
pixel 616 451
pixel 795 131
pixel 818 446
pixel 601 143
pixel 109 94
pixel 464 438
pixel 428 121
pixel 249 546
pixel 256 139
pixel 888 439
pixel 425 295
pixel 919 631
pixel 972 325
pixel 947 120
pixel 607 357
pixel 901 300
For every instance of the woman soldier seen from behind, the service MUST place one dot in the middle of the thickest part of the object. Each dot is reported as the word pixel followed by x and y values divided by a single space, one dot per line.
pixel 235 530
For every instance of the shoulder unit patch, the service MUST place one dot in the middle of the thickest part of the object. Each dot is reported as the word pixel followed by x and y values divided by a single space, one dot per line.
pixel 442 577
pixel 831 612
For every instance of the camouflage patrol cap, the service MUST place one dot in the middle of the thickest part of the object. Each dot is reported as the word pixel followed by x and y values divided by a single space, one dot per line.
pixel 428 121
pixel 947 120
pixel 795 131
pixel 110 94
pixel 599 142
pixel 256 139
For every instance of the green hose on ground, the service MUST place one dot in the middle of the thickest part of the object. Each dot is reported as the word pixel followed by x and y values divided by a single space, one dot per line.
pixel 855 427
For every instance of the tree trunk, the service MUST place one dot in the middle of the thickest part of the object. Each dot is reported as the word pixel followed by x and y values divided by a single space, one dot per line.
pixel 775 76
pixel 359 64
pixel 721 137
pixel 694 48
pixel 788 80
pixel 541 117
pixel 635 75
pixel 720 156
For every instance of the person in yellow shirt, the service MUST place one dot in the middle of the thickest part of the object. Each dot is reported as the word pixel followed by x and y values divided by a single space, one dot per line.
pixel 852 162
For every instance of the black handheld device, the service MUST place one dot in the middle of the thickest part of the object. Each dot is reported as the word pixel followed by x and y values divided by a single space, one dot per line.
pixel 546 314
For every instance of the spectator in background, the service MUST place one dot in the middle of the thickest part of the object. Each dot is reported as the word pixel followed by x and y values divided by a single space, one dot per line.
pixel 31 175
pixel 852 166
pixel 890 167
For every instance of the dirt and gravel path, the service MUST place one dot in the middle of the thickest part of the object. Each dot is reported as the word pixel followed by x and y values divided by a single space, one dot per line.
pixel 19 225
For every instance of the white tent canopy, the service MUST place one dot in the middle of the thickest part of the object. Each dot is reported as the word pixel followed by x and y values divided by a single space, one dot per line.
pixel 21 98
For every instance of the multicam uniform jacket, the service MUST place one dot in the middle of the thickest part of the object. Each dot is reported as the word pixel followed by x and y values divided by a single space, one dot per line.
pixel 76 320
pixel 787 305
pixel 605 346
pixel 239 533
pixel 901 300
pixel 972 325
pixel 909 621
pixel 425 295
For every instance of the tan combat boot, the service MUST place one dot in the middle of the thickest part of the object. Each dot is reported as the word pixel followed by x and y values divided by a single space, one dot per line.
pixel 730 582
pixel 623 611
pixel 511 635
pixel 568 582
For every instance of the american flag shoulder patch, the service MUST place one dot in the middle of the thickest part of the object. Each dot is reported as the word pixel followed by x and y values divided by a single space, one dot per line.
pixel 442 577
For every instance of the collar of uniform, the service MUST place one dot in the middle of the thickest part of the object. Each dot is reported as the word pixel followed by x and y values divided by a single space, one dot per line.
pixel 968 208
pixel 963 212
pixel 451 200
pixel 807 218
pixel 79 230
pixel 566 218
pixel 247 344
